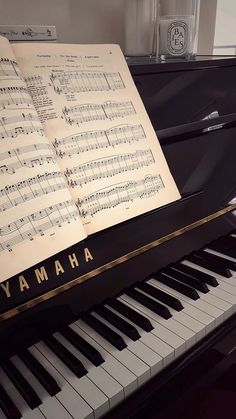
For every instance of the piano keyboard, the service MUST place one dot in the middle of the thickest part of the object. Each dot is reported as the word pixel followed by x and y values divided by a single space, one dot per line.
pixel 90 366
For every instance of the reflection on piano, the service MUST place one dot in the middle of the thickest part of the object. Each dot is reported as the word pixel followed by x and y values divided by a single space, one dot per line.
pixel 131 333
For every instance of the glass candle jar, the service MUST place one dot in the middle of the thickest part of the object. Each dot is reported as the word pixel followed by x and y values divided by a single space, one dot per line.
pixel 141 27
pixel 178 28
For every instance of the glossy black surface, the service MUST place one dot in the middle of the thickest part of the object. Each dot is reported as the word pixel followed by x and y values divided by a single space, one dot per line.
pixel 202 161
pixel 186 91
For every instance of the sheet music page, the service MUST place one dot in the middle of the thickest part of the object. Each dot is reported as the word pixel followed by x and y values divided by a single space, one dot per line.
pixel 97 124
pixel 38 217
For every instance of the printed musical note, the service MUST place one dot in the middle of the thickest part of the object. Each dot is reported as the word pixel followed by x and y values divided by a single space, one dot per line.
pixel 30 125
pixel 108 167
pixel 9 69
pixel 28 189
pixel 11 168
pixel 35 81
pixel 118 194
pixel 15 157
pixel 76 115
pixel 80 81
pixel 93 140
pixel 35 224
pixel 15 97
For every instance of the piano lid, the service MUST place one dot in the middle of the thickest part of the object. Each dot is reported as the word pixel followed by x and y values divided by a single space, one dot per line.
pixel 182 92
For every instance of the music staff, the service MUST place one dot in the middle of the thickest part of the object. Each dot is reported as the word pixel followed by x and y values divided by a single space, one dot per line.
pixel 9 69
pixel 80 81
pixel 118 194
pixel 34 187
pixel 93 140
pixel 108 167
pixel 19 151
pixel 76 115
pixel 37 223
pixel 15 96
pixel 34 125
pixel 35 81
pixel 11 168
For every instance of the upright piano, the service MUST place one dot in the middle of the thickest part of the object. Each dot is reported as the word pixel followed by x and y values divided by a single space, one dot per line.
pixel 141 321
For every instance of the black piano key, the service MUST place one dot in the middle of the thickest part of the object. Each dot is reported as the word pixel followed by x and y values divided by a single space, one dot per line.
pixel 118 322
pixel 7 405
pixel 160 295
pixel 221 261
pixel 228 240
pixel 131 314
pixel 114 338
pixel 66 356
pixel 185 279
pixel 221 247
pixel 42 375
pixel 22 385
pixel 215 265
pixel 201 276
pixel 178 286
pixel 208 265
pixel 84 347
pixel 149 303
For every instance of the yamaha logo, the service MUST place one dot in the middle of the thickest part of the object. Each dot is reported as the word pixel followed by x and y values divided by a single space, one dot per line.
pixel 177 37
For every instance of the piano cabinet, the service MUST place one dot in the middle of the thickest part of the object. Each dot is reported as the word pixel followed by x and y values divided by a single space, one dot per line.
pixel 147 328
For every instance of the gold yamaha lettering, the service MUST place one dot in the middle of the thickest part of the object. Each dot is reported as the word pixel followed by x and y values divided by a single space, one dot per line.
pixel 41 273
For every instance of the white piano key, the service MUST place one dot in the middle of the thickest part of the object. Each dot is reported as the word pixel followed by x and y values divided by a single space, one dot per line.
pixel 214 252
pixel 106 383
pixel 188 310
pixel 174 326
pixel 199 304
pixel 124 377
pixel 50 404
pixel 84 386
pixel 125 357
pixel 150 357
pixel 18 400
pixel 227 284
pixel 212 299
pixel 197 327
pixel 153 342
pixel 68 397
pixel 160 331
pixel 224 295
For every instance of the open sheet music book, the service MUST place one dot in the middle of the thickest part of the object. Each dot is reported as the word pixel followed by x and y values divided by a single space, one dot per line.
pixel 78 152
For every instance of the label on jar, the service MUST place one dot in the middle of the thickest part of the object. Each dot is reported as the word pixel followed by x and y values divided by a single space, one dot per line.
pixel 176 36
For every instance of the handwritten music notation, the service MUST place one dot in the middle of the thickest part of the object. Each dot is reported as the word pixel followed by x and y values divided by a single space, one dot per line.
pixel 94 140
pixel 68 82
pixel 36 224
pixel 15 159
pixel 108 167
pixel 117 194
pixel 30 125
pixel 28 189
pixel 18 97
pixel 9 69
pixel 76 115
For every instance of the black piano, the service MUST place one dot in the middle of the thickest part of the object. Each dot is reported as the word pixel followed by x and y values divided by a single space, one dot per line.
pixel 141 321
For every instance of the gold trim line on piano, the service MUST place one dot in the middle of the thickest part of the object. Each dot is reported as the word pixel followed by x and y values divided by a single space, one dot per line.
pixel 50 294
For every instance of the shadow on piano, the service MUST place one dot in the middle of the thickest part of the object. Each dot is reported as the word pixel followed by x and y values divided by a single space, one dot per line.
pixel 146 328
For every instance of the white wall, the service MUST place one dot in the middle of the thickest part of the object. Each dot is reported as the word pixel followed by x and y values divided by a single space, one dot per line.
pixel 225 28
pixel 91 21
pixel 77 21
